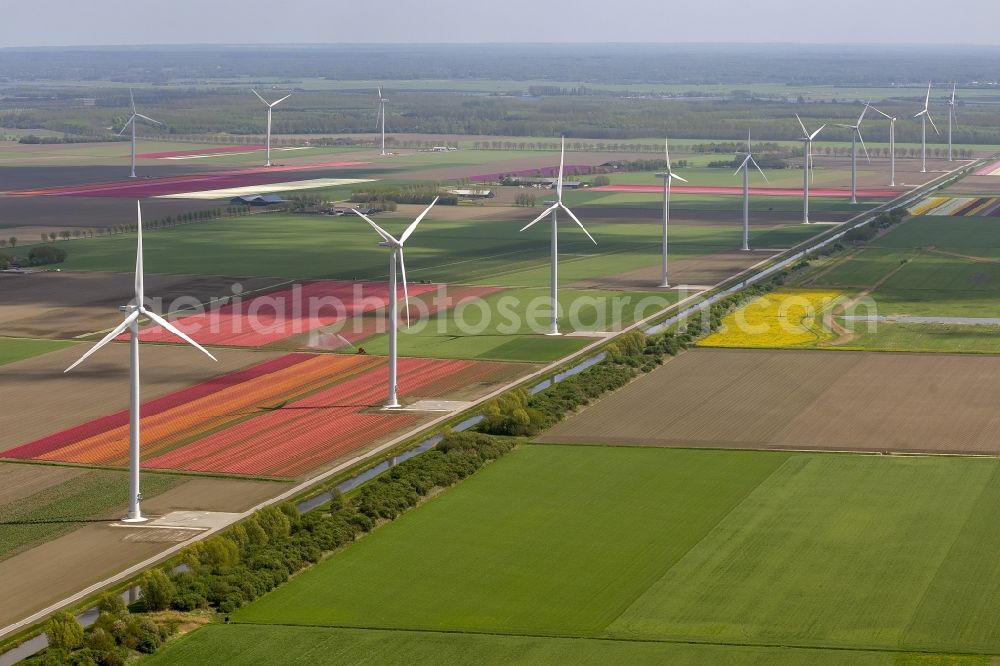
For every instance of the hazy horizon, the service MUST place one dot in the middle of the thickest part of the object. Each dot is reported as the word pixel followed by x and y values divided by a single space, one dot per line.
pixel 69 23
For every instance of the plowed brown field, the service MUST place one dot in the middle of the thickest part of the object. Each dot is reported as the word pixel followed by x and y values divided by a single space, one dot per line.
pixel 823 400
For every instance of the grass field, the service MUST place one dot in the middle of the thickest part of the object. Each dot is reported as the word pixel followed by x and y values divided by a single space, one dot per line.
pixel 17 349
pixel 251 645
pixel 512 551
pixel 56 510
pixel 486 251
pixel 931 266
pixel 668 555
pixel 977 339
pixel 510 325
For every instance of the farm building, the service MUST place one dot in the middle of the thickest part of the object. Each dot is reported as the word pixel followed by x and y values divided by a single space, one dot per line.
pixel 257 200
pixel 473 194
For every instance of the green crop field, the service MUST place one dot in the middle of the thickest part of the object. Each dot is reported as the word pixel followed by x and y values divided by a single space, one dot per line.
pixel 908 337
pixel 61 508
pixel 17 349
pixel 252 645
pixel 442 251
pixel 509 325
pixel 665 554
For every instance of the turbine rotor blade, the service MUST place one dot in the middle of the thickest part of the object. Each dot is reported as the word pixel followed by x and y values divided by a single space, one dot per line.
pixel 127 123
pixel 882 113
pixel 115 332
pixel 863 147
pixel 740 167
pixel 666 150
pixel 176 331
pixel 139 293
pixel 406 293
pixel 932 124
pixel 579 223
pixel 676 177
pixel 131 99
pixel 259 97
pixel 413 225
pixel 139 115
pixel 274 104
pixel 927 100
pixel 754 162
pixel 815 134
pixel 562 157
pixel 804 132
pixel 542 216
pixel 386 236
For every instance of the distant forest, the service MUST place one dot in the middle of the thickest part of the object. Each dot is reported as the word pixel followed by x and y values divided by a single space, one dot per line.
pixel 204 90
pixel 589 64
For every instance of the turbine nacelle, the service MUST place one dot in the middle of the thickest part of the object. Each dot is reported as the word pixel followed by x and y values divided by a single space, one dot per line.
pixel 390 241
pixel 558 203
pixel 138 309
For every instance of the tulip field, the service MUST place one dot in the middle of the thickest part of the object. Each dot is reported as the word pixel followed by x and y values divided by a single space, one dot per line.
pixel 277 315
pixel 279 418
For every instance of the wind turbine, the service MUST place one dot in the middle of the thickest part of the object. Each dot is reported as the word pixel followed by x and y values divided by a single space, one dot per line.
pixel 131 322
pixel 132 121
pixel 667 176
pixel 924 116
pixel 381 115
pixel 807 165
pixel 745 168
pixel 270 106
pixel 553 209
pixel 855 137
pixel 395 254
pixel 951 118
pixel 892 145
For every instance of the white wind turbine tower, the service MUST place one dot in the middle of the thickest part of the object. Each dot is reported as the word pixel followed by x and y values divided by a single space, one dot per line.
pixel 270 106
pixel 924 116
pixel 892 145
pixel 745 168
pixel 553 209
pixel 807 153
pixel 395 255
pixel 381 115
pixel 951 119
pixel 131 322
pixel 855 138
pixel 132 121
pixel 667 176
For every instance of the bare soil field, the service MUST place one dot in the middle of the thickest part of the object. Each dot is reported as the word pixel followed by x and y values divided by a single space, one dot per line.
pixel 39 399
pixel 213 494
pixel 27 217
pixel 63 305
pixel 53 570
pixel 802 400
pixel 704 270
pixel 22 176
pixel 23 480
pixel 983 185
pixel 876 174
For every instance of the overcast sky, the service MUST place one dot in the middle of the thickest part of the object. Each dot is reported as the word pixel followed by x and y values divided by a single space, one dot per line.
pixel 100 22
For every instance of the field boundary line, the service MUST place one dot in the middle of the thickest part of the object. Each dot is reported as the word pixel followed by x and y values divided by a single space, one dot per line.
pixel 736 282
pixel 614 639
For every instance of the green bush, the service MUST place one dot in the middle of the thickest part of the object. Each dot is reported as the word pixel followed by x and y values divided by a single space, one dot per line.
pixel 64 632
pixel 157 590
